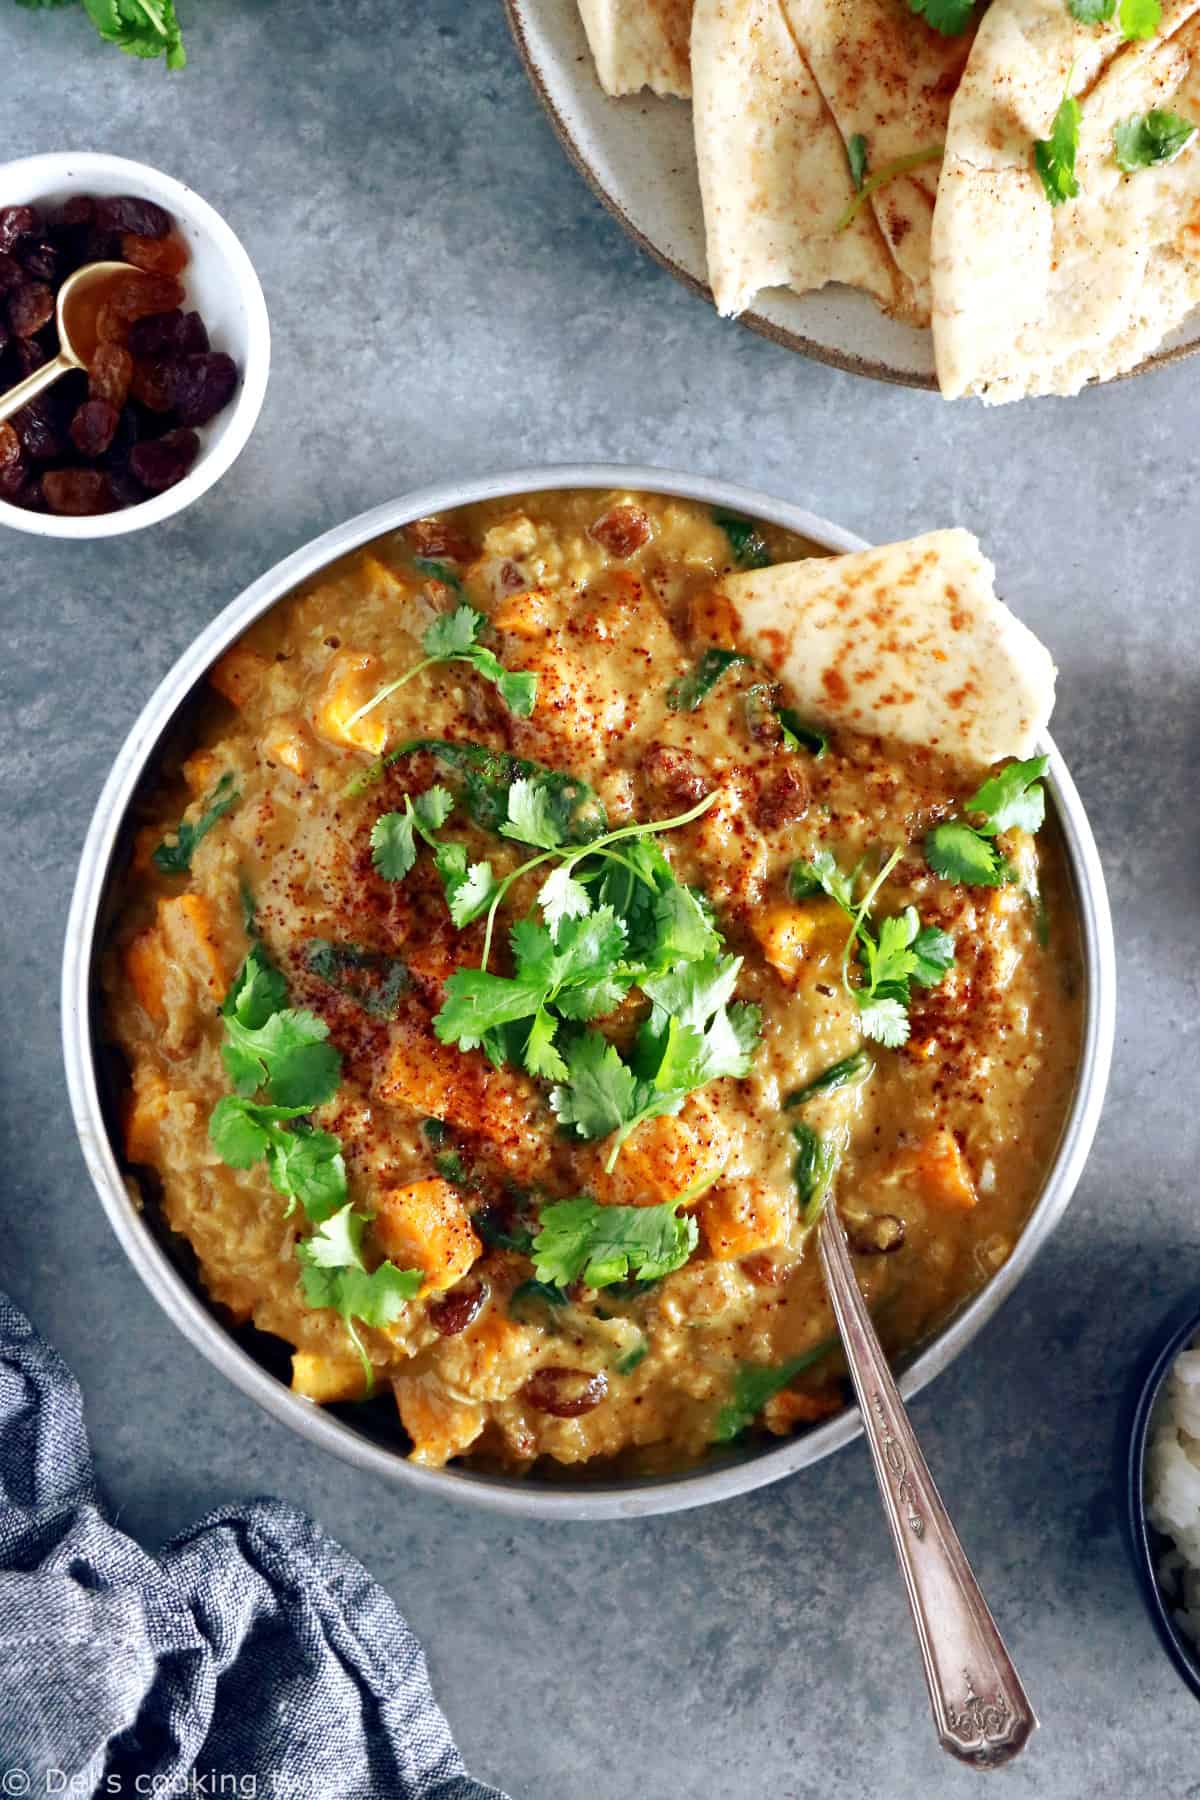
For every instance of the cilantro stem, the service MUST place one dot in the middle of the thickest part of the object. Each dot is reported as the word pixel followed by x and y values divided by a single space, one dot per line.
pixel 903 165
pixel 860 912
pixel 569 855
pixel 383 693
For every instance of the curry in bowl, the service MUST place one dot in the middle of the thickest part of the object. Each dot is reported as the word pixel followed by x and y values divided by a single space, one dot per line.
pixel 552 906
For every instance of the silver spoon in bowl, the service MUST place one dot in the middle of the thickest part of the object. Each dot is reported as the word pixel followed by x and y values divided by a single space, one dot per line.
pixel 79 300
pixel 980 1709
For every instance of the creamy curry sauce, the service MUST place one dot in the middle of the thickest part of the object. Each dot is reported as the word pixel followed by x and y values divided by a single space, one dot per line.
pixel 609 599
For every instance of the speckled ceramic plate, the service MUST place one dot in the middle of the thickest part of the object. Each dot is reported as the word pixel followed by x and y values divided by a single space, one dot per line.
pixel 638 155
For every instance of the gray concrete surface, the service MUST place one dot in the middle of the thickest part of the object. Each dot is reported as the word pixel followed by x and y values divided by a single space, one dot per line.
pixel 447 296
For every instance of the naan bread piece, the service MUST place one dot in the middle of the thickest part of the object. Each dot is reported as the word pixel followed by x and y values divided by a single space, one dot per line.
pixel 887 75
pixel 640 43
pixel 1035 299
pixel 773 171
pixel 905 641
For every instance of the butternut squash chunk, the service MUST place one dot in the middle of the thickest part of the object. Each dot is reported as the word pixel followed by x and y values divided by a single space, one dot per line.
pixel 941 1169
pixel 146 1107
pixel 424 1225
pixel 327 1378
pixel 189 932
pixel 792 934
pixel 440 1426
pixel 740 1220
pixel 238 675
pixel 354 675
pixel 666 1156
pixel 146 968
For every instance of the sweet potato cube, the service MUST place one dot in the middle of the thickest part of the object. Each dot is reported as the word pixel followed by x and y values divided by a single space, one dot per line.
pixel 146 969
pixel 190 935
pixel 792 933
pixel 287 743
pixel 436 1080
pixel 941 1169
pixel 354 675
pixel 200 772
pixel 146 1108
pixel 794 1407
pixel 712 620
pixel 440 1427
pixel 327 1378
pixel 740 1220
pixel 424 1225
pixel 238 675
pixel 666 1156
pixel 529 614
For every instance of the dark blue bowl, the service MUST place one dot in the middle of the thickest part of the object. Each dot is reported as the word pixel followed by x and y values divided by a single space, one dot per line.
pixel 1146 1546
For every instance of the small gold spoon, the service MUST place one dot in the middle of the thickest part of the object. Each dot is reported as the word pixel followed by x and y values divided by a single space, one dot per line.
pixel 79 301
pixel 981 1711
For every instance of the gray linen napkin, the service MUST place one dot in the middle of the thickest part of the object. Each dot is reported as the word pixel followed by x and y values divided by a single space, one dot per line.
pixel 253 1657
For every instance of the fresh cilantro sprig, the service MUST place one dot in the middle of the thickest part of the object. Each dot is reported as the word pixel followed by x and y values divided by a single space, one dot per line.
pixel 454 637
pixel 1149 138
pixel 902 165
pixel 903 950
pixel 304 1165
pixel 580 1240
pixel 1012 800
pixel 289 1056
pixel 1055 156
pixel 143 28
pixel 176 858
pixel 756 1383
pixel 334 1273
pixel 394 834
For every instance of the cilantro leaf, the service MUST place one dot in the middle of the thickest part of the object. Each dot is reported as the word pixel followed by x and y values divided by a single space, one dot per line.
pixel 821 875
pixel 562 897
pixel 258 991
pixel 432 808
pixel 747 542
pixel 469 891
pixel 950 17
pixel 1055 155
pixel 756 1383
pixel 334 1274
pixel 289 1055
pixel 1145 139
pixel 1091 12
pixel 799 736
pixel 143 28
pixel 601 1093
pixel 453 637
pixel 686 692
pixel 816 1164
pixel 932 952
pixel 1139 18
pixel 307 1166
pixel 477 1002
pixel 581 1240
pixel 371 977
pixel 176 858
pixel 531 817
pixel 452 634
pixel 1013 799
pixel 487 776
pixel 884 1017
pixel 240 1130
pixel 393 844
pixel 856 156
pixel 957 853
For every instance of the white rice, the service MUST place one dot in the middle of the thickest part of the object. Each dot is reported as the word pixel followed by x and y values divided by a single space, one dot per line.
pixel 1173 1486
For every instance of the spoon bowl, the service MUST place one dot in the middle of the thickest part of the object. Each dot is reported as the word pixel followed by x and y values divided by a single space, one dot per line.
pixel 76 315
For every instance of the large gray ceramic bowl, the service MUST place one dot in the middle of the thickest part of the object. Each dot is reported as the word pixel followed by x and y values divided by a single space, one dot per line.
pixel 732 1471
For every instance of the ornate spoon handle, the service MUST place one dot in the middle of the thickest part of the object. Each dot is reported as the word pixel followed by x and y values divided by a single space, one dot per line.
pixel 980 1709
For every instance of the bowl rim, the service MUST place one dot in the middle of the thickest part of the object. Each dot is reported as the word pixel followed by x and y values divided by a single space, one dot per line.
pixel 517 1496
pixel 1174 1332
pixel 55 168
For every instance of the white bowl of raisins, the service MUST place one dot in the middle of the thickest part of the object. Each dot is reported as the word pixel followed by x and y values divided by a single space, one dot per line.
pixel 180 372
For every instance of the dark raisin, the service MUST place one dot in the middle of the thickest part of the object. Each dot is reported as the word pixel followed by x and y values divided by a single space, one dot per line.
pixel 622 530
pixel 124 489
pixel 30 306
pixel 202 385
pixel 10 446
pixel 28 356
pixel 158 334
pixel 77 491
pixel 38 431
pixel 878 1235
pixel 163 461
pixel 565 1393
pixel 38 256
pixel 111 326
pixel 152 384
pixel 92 427
pixel 80 209
pixel 126 212
pixel 109 374
pixel 32 495
pixel 11 272
pixel 160 256
pixel 13 479
pixel 194 338
pixel 17 222
pixel 437 538
pixel 764 1269
pixel 451 1313
pixel 783 801
pixel 125 437
pixel 674 775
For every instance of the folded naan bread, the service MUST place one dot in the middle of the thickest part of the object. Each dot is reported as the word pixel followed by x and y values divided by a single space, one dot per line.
pixel 1035 299
pixel 773 171
pixel 906 641
pixel 640 43
pixel 888 77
